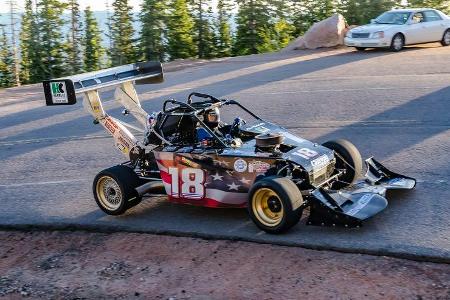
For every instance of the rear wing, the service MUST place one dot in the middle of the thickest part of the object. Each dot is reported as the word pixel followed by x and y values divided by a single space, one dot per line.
pixel 63 91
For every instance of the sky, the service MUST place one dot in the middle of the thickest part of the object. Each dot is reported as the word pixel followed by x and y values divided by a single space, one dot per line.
pixel 94 4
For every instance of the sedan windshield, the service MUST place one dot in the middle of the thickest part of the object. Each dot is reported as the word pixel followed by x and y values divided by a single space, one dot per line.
pixel 393 18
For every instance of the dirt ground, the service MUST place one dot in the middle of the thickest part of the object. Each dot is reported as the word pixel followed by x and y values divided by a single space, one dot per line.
pixel 78 265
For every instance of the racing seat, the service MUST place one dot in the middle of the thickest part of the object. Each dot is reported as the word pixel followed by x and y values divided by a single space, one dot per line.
pixel 178 129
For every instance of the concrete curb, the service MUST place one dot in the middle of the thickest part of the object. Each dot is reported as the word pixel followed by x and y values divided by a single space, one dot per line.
pixel 116 229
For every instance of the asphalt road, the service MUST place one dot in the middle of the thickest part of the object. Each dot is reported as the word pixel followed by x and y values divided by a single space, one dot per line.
pixel 394 106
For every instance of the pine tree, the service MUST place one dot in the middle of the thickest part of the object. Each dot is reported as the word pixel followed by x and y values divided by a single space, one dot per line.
pixel 123 45
pixel 224 39
pixel 204 33
pixel 180 29
pixel 50 23
pixel 13 31
pixel 93 50
pixel 153 31
pixel 27 41
pixel 74 40
pixel 254 27
pixel 6 61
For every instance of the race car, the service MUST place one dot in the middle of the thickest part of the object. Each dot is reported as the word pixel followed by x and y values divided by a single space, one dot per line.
pixel 191 153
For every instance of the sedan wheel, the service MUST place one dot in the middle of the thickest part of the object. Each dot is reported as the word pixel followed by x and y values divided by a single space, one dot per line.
pixel 398 43
pixel 446 39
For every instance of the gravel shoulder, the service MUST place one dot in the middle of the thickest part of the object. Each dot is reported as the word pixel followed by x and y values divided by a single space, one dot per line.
pixel 126 265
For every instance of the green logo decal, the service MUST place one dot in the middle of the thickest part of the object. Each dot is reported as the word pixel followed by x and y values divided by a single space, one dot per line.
pixel 58 90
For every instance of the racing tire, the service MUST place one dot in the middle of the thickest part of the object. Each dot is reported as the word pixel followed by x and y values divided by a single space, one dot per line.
pixel 349 159
pixel 275 204
pixel 397 43
pixel 115 189
pixel 360 48
pixel 446 38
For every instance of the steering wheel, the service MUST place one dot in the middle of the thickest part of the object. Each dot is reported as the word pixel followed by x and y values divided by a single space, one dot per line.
pixel 204 96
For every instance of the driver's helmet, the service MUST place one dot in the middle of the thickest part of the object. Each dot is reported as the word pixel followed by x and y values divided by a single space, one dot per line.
pixel 212 118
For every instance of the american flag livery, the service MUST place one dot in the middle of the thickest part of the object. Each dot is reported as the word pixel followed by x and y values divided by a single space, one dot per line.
pixel 208 180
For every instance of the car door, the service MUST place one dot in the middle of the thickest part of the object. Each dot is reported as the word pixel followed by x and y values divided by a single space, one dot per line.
pixel 416 32
pixel 434 26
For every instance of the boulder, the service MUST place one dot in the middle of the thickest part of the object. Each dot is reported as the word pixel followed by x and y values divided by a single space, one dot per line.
pixel 326 33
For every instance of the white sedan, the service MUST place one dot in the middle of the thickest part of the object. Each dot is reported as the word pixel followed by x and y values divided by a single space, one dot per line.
pixel 396 28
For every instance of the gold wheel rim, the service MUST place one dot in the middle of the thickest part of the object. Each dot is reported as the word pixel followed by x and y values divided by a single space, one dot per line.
pixel 267 207
pixel 108 193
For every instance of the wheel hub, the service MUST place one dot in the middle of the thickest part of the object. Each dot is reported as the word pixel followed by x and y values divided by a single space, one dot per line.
pixel 398 43
pixel 274 204
pixel 109 193
pixel 267 207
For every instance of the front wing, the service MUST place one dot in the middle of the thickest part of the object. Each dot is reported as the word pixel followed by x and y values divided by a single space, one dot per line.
pixel 349 207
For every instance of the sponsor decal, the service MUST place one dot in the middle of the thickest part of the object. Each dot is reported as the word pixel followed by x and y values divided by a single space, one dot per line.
pixel 59 92
pixel 184 161
pixel 258 128
pixel 320 162
pixel 111 125
pixel 306 153
pixel 258 167
pixel 240 165
pixel 124 142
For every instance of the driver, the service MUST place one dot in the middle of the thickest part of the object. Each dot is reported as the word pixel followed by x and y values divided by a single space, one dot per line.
pixel 211 118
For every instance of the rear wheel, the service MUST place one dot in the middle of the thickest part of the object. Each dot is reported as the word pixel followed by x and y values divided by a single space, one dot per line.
pixel 114 189
pixel 398 42
pixel 274 204
pixel 348 159
pixel 446 38
pixel 360 48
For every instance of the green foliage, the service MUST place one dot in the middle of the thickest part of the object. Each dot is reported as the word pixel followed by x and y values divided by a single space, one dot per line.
pixel 204 37
pixel 27 42
pixel 224 38
pixel 283 33
pixel 153 31
pixel 443 5
pixel 6 61
pixel 308 12
pixel 180 31
pixel 123 45
pixel 253 27
pixel 50 55
pixel 74 40
pixel 358 12
pixel 93 50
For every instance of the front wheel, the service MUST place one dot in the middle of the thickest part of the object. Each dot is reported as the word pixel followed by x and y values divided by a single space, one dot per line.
pixel 348 159
pixel 275 204
pixel 114 189
pixel 446 38
pixel 398 42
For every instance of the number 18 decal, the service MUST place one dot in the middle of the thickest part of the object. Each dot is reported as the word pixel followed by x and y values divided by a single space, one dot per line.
pixel 190 183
